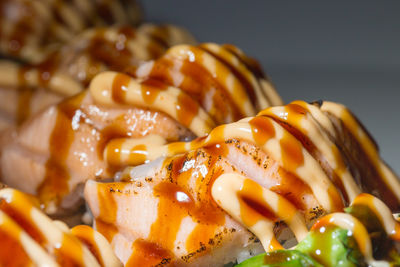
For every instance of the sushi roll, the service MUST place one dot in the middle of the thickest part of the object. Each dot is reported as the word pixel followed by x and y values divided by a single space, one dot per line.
pixel 256 184
pixel 52 154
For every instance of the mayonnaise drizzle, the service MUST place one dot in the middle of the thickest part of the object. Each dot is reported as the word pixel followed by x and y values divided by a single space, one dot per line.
pixel 35 252
pixel 219 71
pixel 212 74
pixel 97 244
pixel 310 172
pixel 311 122
pixel 382 212
pixel 370 149
pixel 356 228
pixel 57 82
pixel 226 192
pixel 299 116
pixel 221 51
pixel 125 149
pixel 166 101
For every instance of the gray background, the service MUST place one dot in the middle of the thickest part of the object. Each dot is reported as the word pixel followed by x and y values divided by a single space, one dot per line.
pixel 345 51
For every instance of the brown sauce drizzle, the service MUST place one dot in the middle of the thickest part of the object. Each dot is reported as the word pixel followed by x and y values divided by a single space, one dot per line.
pixel 155 47
pixel 171 211
pixel 104 11
pixel 108 210
pixel 10 246
pixel 222 100
pixel 114 56
pixel 148 254
pixel 117 129
pixel 251 63
pixel 86 235
pixel 297 112
pixel 23 221
pixel 113 152
pixel 150 89
pixel 160 34
pixel 198 82
pixel 217 150
pixel 176 148
pixel 23 25
pixel 45 72
pixel 251 210
pixel 292 157
pixel 292 188
pixel 262 129
pixel 25 94
pixel 55 183
pixel 186 109
pixel 175 203
pixel 291 150
pixel 208 213
pixel 363 171
pixel 24 101
pixel 108 230
pixel 245 83
pixel 64 256
pixel 136 154
pixel 119 87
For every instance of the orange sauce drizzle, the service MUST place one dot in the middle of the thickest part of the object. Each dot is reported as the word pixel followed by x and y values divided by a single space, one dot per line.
pixel 10 246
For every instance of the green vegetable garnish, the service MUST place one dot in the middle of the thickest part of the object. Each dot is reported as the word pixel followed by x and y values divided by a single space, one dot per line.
pixel 281 258
pixel 330 246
